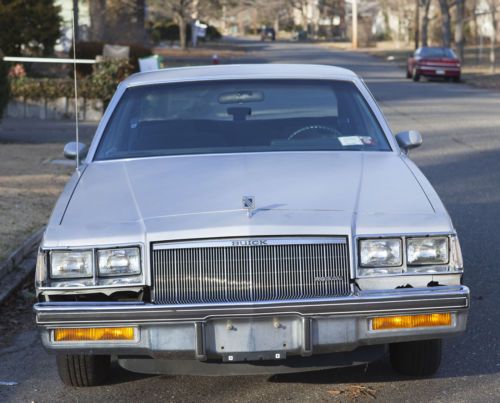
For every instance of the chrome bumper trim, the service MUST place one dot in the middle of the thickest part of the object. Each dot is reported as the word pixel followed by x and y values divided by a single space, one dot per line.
pixel 50 314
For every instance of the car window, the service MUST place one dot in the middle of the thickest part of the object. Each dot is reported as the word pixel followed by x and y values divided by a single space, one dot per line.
pixel 437 52
pixel 240 116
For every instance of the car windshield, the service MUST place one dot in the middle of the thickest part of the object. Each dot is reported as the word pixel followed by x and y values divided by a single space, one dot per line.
pixel 240 116
pixel 437 52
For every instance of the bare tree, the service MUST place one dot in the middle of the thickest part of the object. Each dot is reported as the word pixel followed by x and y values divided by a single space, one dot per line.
pixel 445 23
pixel 459 28
pixel 492 5
pixel 425 23
pixel 97 11
pixel 329 9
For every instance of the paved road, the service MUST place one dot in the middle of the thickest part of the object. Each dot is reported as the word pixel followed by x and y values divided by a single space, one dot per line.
pixel 461 157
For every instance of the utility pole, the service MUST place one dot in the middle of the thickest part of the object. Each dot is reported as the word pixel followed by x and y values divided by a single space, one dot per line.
pixel 354 24
pixel 417 23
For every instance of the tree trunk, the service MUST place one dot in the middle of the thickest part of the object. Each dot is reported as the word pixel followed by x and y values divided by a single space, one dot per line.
pixel 417 23
pixel 75 19
pixel 493 36
pixel 181 22
pixel 425 23
pixel 140 16
pixel 459 29
pixel 445 23
pixel 97 11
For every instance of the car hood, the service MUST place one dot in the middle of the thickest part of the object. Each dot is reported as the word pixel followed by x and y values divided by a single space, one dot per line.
pixel 301 191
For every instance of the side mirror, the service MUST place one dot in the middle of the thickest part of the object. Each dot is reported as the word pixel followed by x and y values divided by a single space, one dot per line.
pixel 74 148
pixel 408 140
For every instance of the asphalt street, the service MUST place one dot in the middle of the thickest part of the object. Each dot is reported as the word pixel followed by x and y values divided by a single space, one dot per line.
pixel 460 156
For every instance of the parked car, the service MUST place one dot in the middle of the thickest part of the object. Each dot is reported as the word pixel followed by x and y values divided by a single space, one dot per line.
pixel 267 33
pixel 433 62
pixel 247 219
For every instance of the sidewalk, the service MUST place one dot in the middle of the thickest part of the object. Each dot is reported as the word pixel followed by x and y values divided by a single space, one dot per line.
pixel 36 131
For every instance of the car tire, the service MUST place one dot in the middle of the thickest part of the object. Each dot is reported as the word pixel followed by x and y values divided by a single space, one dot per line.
pixel 456 79
pixel 416 77
pixel 83 370
pixel 416 358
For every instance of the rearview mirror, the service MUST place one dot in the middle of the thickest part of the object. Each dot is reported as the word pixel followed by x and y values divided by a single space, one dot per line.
pixel 73 148
pixel 408 140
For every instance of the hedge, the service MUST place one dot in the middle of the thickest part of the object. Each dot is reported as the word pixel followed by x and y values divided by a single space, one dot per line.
pixel 101 84
pixel 4 86
pixel 169 31
pixel 89 50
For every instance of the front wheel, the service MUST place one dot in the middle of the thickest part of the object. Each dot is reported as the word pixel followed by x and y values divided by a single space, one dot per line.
pixel 416 358
pixel 416 77
pixel 83 370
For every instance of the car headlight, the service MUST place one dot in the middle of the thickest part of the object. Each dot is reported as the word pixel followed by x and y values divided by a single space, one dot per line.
pixel 380 256
pixel 118 262
pixel 427 251
pixel 71 264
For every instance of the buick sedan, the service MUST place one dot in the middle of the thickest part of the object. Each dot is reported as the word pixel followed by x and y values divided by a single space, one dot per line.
pixel 243 220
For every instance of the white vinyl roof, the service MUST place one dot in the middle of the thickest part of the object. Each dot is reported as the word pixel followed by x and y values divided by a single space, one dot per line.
pixel 239 71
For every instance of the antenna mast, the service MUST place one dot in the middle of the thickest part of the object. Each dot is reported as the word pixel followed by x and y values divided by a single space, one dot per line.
pixel 76 97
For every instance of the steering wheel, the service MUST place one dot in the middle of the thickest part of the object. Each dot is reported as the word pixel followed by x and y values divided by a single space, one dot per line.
pixel 328 130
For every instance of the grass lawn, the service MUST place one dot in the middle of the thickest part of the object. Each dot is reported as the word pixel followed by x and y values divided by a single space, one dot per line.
pixel 29 187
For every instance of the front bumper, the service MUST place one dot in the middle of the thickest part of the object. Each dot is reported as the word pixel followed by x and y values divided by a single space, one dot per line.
pixel 220 331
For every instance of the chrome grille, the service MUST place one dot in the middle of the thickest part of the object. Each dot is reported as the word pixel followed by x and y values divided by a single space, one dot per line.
pixel 249 270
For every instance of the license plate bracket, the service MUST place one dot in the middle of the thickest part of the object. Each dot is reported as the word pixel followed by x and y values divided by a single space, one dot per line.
pixel 440 72
pixel 254 356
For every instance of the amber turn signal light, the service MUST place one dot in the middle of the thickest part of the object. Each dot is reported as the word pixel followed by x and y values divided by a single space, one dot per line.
pixel 411 321
pixel 94 334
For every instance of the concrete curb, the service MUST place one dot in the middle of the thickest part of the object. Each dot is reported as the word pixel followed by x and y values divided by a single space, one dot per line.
pixel 19 265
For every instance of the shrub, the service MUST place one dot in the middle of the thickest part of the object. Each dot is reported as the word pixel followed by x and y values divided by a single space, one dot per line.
pixel 106 77
pixel 4 85
pixel 213 33
pixel 86 50
pixel 169 31
pixel 89 50
pixel 29 25
pixel 101 84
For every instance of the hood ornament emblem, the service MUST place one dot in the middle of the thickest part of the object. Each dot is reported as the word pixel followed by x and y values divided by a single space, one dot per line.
pixel 248 203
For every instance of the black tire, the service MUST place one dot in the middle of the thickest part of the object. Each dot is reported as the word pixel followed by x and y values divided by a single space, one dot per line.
pixel 416 358
pixel 456 79
pixel 416 77
pixel 83 370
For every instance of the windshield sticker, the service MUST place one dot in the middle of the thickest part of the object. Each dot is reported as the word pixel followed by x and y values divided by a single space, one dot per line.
pixel 350 141
pixel 367 140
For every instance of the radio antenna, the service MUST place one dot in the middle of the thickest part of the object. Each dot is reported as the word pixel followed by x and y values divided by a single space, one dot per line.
pixel 77 134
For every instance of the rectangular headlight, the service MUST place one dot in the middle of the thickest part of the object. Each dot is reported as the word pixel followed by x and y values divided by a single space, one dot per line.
pixel 380 256
pixel 427 251
pixel 119 262
pixel 71 264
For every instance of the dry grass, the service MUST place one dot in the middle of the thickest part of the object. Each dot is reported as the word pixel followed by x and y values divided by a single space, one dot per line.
pixel 29 187
pixel 178 53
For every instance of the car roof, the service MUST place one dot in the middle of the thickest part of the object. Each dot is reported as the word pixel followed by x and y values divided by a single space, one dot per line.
pixel 239 71
pixel 434 47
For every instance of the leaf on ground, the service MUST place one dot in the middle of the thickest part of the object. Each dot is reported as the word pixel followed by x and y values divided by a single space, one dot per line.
pixel 353 392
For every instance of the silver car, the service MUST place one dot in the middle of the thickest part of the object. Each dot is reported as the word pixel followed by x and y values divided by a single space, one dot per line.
pixel 242 220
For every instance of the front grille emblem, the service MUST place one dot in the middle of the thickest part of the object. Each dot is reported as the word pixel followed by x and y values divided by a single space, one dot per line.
pixel 248 203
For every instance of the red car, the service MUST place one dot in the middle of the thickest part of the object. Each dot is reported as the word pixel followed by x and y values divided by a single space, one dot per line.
pixel 433 62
